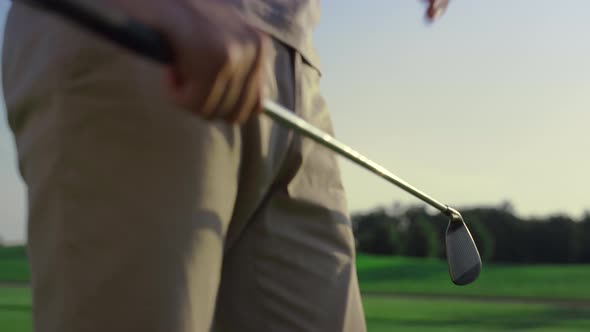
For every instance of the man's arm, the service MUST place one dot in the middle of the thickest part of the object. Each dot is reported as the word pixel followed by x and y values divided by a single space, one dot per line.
pixel 218 57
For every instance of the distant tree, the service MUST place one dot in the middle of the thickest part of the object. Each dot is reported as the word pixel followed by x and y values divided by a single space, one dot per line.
pixel 434 246
pixel 483 238
pixel 552 240
pixel 506 230
pixel 499 233
pixel 376 233
pixel 582 239
pixel 508 207
pixel 420 236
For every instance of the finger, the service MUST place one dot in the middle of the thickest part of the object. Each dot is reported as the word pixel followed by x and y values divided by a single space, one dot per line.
pixel 174 83
pixel 252 106
pixel 179 89
pixel 221 82
pixel 250 101
pixel 436 9
pixel 183 93
pixel 238 81
pixel 243 58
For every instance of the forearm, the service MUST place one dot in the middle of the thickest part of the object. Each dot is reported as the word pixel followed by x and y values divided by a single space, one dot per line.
pixel 160 14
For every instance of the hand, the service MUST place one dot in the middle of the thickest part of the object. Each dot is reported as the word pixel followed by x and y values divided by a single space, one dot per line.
pixel 436 8
pixel 218 69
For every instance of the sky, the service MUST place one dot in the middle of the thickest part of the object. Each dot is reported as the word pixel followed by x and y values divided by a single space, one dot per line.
pixel 490 104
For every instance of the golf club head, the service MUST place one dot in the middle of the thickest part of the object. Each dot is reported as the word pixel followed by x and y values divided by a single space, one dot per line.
pixel 462 255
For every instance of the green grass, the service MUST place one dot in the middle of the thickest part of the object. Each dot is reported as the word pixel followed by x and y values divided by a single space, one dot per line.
pixel 419 276
pixel 390 314
pixel 13 265
pixel 383 279
pixel 15 309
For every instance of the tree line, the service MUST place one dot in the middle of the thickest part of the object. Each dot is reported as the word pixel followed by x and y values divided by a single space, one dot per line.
pixel 499 233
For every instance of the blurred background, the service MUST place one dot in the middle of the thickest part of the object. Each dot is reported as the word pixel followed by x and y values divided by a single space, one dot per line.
pixel 487 110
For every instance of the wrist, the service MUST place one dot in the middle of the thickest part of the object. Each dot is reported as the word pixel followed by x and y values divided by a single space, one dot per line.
pixel 163 15
pixel 172 18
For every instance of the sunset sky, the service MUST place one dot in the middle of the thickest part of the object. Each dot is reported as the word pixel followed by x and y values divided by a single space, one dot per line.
pixel 490 104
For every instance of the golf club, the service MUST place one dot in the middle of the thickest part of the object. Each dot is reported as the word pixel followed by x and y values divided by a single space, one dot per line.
pixel 462 254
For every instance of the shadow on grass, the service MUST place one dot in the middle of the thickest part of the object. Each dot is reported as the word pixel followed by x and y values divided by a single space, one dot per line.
pixel 15 307
pixel 553 317
pixel 402 271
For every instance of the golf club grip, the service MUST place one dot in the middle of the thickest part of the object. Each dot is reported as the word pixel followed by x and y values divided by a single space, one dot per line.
pixel 113 25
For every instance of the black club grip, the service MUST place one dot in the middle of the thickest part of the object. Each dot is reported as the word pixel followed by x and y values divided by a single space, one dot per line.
pixel 113 25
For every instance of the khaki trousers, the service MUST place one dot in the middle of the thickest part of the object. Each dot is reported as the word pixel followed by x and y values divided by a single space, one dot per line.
pixel 144 218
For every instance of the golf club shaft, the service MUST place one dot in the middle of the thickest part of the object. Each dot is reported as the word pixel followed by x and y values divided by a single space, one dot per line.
pixel 148 42
pixel 290 120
